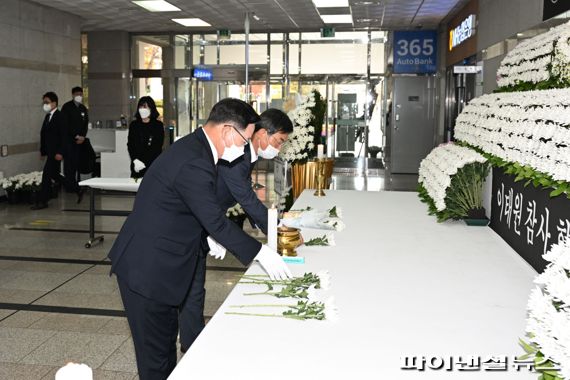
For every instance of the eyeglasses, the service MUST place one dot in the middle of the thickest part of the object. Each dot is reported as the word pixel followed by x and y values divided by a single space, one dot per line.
pixel 238 132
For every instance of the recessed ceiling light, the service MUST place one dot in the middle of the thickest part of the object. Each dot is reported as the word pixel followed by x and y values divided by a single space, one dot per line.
pixel 157 6
pixel 191 21
pixel 330 3
pixel 337 19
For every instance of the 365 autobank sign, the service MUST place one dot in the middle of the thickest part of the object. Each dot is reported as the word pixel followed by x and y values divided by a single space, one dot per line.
pixel 415 52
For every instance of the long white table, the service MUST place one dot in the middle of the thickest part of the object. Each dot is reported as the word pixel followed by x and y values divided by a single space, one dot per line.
pixel 95 185
pixel 404 285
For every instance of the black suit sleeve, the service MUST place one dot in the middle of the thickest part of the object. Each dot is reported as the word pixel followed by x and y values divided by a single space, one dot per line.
pixel 132 142
pixel 195 183
pixel 157 140
pixel 238 181
pixel 62 129
pixel 83 131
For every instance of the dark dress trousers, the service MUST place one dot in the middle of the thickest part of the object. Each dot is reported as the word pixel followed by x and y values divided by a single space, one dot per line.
pixel 234 186
pixel 77 121
pixel 156 253
pixel 52 142
pixel 145 143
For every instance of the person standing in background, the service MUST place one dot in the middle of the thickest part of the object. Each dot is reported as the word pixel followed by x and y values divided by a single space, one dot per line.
pixel 77 121
pixel 146 136
pixel 52 149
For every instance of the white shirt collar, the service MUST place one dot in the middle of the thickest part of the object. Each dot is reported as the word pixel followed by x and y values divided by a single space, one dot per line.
pixel 212 147
pixel 52 112
pixel 253 154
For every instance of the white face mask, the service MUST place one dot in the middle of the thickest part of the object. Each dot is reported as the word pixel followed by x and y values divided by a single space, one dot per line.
pixel 232 152
pixel 144 112
pixel 78 99
pixel 268 153
pixel 46 108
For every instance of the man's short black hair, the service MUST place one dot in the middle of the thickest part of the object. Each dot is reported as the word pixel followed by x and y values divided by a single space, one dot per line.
pixel 51 96
pixel 233 111
pixel 273 121
pixel 76 89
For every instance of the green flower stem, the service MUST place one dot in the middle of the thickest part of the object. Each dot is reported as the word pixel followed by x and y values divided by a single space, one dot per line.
pixel 264 282
pixel 264 305
pixel 266 315
pixel 261 293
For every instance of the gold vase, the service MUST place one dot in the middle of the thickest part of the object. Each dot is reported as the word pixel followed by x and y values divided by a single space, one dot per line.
pixel 304 175
pixel 288 239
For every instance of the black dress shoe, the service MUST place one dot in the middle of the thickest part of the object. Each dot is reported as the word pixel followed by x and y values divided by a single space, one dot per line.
pixel 80 195
pixel 39 206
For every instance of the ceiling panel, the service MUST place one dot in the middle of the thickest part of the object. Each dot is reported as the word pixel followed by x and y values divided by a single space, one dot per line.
pixel 275 15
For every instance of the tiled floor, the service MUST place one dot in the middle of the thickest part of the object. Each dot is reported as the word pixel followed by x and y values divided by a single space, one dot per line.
pixel 57 301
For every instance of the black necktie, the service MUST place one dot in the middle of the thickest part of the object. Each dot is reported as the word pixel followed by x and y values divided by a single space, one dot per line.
pixel 46 121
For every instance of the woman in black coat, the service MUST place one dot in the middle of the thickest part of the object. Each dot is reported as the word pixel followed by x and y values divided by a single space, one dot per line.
pixel 146 136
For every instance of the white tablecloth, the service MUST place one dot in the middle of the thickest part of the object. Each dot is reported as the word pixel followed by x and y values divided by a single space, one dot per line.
pixel 118 184
pixel 404 284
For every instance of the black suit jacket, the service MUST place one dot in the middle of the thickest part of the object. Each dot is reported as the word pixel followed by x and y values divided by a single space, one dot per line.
pixel 235 186
pixel 77 119
pixel 175 210
pixel 52 135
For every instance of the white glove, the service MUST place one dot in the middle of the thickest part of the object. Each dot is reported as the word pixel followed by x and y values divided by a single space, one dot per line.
pixel 139 165
pixel 216 250
pixel 273 264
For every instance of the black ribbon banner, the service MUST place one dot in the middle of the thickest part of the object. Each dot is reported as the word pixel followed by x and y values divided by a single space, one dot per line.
pixel 554 8
pixel 527 218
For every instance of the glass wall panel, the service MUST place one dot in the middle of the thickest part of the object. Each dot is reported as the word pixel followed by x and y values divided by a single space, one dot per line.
pixel 334 59
pixel 211 55
pixel 181 47
pixel 276 67
pixel 377 58
pixel 147 52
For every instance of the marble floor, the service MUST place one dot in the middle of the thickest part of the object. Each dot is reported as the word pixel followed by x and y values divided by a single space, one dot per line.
pixel 59 304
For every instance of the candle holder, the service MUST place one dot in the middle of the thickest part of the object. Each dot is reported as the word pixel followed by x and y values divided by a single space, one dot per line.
pixel 288 239
pixel 321 177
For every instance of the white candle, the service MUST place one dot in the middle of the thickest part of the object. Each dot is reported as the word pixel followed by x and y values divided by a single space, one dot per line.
pixel 320 151
pixel 272 227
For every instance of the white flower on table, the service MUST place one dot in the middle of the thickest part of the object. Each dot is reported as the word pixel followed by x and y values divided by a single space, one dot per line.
pixel 325 279
pixel 331 310
pixel 334 224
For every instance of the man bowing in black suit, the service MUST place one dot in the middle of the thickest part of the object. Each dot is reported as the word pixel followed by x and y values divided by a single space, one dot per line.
pixel 235 186
pixel 155 254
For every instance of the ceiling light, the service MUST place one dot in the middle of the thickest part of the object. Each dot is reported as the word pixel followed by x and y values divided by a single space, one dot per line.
pixel 255 17
pixel 337 19
pixel 330 3
pixel 157 6
pixel 191 22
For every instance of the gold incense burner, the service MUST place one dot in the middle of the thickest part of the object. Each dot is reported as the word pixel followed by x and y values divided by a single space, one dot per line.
pixel 288 239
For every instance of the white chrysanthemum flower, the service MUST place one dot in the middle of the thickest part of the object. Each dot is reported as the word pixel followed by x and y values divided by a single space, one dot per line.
pixel 331 310
pixel 325 279
pixel 313 294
